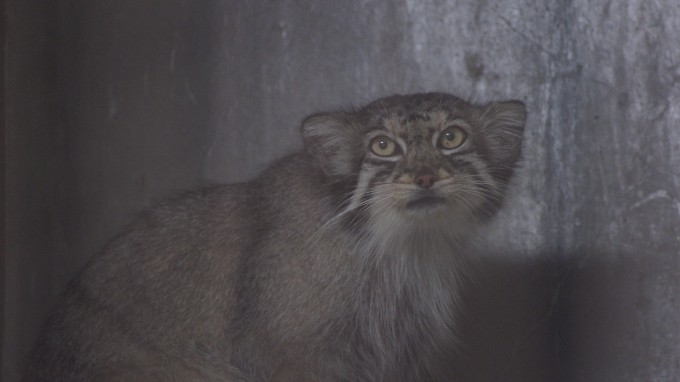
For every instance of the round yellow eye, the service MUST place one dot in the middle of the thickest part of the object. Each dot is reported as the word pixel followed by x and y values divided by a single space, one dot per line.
pixel 452 138
pixel 383 146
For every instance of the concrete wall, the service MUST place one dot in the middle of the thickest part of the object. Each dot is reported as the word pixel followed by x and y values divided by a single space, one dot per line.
pixel 113 105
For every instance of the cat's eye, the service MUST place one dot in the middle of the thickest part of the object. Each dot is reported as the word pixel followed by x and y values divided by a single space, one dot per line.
pixel 451 138
pixel 383 146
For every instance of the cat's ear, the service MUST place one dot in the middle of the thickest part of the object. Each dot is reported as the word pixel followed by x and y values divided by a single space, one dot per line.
pixel 329 139
pixel 503 125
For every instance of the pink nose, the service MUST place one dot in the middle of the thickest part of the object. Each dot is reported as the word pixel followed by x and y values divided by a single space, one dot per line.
pixel 425 180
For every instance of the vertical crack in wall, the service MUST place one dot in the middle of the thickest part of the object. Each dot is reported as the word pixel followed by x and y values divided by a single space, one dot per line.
pixel 561 116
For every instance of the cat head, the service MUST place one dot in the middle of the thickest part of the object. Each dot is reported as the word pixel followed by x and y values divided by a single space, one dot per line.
pixel 420 156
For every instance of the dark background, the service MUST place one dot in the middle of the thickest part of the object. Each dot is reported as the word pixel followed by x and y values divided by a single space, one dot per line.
pixel 110 106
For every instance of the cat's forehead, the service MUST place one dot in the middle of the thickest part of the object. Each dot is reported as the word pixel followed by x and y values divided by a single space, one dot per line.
pixel 413 122
pixel 418 113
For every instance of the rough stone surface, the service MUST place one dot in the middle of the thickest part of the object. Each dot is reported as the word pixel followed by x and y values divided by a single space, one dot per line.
pixel 111 106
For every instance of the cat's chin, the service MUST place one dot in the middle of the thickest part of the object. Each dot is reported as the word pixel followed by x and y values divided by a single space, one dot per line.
pixel 424 206
pixel 425 203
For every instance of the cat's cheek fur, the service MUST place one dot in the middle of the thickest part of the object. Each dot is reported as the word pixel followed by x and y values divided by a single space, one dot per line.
pixel 504 125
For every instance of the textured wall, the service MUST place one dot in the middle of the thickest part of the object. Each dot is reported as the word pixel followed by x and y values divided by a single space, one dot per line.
pixel 112 105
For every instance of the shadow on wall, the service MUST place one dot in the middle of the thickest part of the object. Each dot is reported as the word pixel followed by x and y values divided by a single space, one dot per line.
pixel 595 317
pixel 510 310
pixel 620 317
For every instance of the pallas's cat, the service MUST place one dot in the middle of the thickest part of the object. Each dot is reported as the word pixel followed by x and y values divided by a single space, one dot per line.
pixel 340 262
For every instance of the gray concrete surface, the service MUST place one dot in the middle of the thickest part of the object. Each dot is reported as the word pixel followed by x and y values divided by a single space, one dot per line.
pixel 114 105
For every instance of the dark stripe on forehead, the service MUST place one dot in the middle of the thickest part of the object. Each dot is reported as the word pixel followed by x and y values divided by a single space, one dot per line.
pixel 418 117
pixel 417 138
pixel 451 117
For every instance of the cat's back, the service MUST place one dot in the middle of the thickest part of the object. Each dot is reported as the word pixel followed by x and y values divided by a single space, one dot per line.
pixel 167 291
pixel 168 283
pixel 196 234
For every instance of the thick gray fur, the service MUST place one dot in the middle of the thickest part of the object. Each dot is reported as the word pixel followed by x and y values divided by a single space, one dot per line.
pixel 320 269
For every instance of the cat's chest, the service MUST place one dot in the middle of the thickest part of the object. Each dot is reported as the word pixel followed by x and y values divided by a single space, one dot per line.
pixel 409 280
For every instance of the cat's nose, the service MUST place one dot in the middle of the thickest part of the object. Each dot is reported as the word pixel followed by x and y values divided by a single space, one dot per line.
pixel 425 180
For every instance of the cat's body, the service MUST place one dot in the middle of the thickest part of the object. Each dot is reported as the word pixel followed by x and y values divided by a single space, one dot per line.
pixel 339 263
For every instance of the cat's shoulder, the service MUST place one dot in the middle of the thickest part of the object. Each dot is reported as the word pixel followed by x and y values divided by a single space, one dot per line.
pixel 236 204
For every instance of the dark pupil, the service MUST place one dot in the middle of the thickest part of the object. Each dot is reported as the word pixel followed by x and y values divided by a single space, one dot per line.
pixel 383 144
pixel 449 136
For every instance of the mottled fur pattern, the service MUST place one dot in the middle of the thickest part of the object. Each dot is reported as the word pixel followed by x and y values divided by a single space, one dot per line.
pixel 338 263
